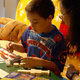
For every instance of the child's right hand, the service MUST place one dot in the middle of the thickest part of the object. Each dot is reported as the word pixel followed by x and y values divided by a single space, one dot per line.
pixel 9 47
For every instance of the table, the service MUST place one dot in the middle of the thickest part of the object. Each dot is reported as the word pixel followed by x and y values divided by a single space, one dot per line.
pixel 12 68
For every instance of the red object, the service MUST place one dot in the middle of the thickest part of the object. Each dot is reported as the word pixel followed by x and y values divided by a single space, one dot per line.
pixel 30 27
pixel 64 30
pixel 58 38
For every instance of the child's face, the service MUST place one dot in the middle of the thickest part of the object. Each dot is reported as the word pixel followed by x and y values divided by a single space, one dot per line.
pixel 39 24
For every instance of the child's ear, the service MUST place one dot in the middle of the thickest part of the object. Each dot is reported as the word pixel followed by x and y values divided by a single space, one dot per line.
pixel 50 18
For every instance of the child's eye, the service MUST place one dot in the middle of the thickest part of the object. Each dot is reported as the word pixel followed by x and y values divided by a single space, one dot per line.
pixel 35 22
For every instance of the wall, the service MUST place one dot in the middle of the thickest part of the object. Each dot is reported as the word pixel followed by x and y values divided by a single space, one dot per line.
pixel 10 8
pixel 1 8
pixel 2 14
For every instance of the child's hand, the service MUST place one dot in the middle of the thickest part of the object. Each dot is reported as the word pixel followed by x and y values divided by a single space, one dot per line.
pixel 9 47
pixel 30 62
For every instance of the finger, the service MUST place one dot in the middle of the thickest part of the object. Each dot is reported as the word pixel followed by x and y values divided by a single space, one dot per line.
pixel 11 51
pixel 23 60
pixel 24 65
pixel 8 46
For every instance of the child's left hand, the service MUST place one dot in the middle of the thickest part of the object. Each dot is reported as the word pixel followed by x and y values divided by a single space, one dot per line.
pixel 30 62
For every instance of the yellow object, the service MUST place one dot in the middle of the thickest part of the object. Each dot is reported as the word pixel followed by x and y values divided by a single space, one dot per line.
pixel 21 14
pixel 71 59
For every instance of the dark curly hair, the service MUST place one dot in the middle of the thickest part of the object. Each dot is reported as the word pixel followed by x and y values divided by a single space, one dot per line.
pixel 73 7
pixel 43 7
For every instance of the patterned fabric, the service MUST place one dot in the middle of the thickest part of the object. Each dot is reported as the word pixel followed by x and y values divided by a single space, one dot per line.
pixel 50 46
pixel 21 13
pixel 64 30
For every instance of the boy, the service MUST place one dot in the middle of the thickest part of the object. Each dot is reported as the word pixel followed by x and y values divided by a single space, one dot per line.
pixel 43 43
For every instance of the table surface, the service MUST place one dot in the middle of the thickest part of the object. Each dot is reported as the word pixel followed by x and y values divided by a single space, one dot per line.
pixel 12 68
